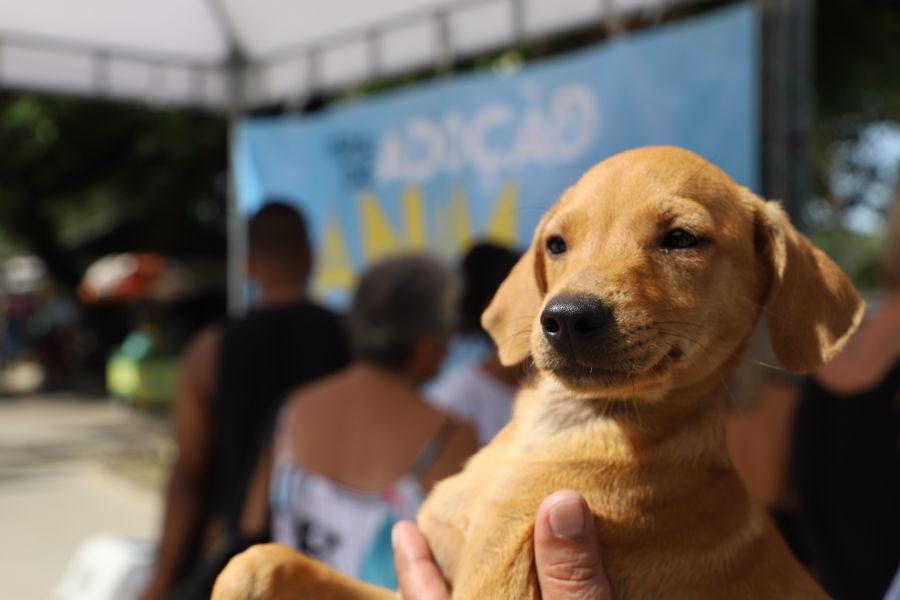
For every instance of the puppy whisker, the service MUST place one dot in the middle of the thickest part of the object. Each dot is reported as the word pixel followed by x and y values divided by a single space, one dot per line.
pixel 710 348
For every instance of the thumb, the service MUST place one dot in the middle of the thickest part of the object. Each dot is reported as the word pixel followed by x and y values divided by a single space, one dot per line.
pixel 566 550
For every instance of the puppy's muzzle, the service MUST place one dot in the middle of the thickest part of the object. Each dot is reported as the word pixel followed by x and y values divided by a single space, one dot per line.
pixel 575 326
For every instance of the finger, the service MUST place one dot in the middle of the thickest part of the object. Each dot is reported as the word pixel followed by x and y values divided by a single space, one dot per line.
pixel 420 578
pixel 566 550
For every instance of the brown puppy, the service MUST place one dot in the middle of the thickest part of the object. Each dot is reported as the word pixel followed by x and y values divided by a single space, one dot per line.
pixel 635 300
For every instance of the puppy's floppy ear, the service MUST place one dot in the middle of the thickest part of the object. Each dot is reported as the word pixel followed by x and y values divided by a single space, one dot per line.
pixel 812 306
pixel 512 311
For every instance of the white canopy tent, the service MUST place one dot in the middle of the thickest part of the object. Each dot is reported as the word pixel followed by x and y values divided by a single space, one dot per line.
pixel 227 54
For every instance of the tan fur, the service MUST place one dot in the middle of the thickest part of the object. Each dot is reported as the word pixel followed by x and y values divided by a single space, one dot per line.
pixel 276 572
pixel 639 428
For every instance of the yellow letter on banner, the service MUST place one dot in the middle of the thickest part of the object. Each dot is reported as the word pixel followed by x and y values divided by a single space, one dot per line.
pixel 460 220
pixel 453 225
pixel 503 226
pixel 334 271
pixel 379 239
pixel 414 217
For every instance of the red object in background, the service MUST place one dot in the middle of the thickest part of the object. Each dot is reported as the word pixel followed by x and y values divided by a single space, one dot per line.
pixel 135 277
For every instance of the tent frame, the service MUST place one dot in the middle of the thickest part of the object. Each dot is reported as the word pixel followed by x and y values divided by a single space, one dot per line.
pixel 248 71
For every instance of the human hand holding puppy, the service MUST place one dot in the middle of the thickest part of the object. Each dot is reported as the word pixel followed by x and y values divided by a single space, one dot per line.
pixel 565 547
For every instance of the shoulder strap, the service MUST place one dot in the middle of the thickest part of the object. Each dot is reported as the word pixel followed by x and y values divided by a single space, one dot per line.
pixel 433 448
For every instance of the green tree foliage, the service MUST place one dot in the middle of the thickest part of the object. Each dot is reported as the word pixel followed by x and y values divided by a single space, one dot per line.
pixel 856 130
pixel 857 65
pixel 856 104
pixel 72 166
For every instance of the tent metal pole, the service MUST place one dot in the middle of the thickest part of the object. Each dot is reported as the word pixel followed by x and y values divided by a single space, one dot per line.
pixel 786 74
pixel 236 73
pixel 237 234
pixel 445 57
pixel 237 244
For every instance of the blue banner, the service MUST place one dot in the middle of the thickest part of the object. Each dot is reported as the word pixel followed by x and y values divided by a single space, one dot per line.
pixel 483 155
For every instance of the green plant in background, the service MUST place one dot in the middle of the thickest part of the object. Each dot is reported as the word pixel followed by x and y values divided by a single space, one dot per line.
pixel 70 167
pixel 858 254
pixel 856 131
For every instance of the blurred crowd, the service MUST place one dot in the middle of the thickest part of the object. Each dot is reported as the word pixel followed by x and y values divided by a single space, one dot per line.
pixel 322 431
pixel 40 324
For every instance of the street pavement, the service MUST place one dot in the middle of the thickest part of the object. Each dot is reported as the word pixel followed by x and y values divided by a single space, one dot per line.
pixel 70 467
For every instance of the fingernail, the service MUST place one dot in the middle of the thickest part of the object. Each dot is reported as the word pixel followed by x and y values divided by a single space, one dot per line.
pixel 567 518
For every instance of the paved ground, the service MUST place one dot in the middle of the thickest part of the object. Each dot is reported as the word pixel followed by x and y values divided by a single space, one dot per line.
pixel 71 467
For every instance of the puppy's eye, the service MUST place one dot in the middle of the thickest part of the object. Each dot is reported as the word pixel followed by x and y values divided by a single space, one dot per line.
pixel 556 245
pixel 679 239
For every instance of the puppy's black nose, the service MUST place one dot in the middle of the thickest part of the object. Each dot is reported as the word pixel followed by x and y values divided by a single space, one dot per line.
pixel 573 320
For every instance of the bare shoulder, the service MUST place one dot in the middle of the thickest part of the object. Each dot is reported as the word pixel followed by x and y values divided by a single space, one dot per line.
pixel 867 357
pixel 203 347
pixel 310 402
pixel 198 365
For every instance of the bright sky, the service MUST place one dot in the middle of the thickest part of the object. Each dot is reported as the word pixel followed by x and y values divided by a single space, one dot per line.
pixel 879 147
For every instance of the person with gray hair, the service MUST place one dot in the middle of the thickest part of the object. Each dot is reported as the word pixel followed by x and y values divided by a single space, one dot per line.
pixel 400 303
pixel 357 452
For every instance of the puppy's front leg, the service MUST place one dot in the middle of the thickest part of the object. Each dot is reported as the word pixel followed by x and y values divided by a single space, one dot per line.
pixel 504 571
pixel 444 519
pixel 276 572
pixel 446 516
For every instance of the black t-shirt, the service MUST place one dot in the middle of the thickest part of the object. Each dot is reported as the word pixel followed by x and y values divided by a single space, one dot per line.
pixel 263 357
pixel 846 470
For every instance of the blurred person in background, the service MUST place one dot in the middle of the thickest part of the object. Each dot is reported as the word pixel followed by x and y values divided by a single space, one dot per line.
pixel 357 452
pixel 53 327
pixel 2 328
pixel 846 451
pixel 16 311
pixel 480 393
pixel 234 380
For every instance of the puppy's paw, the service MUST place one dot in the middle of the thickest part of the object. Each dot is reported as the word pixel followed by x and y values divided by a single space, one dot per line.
pixel 263 572
pixel 276 572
